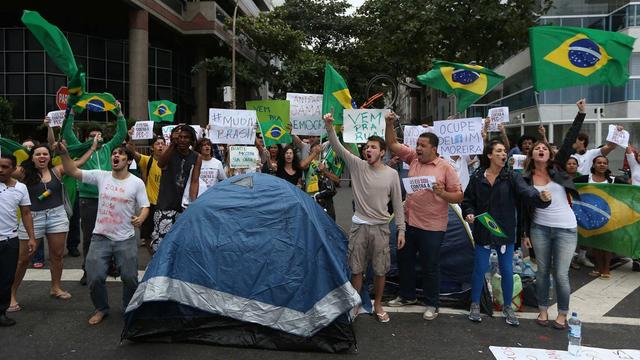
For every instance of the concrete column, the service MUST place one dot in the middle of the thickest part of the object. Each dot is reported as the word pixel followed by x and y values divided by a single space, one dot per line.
pixel 138 64
pixel 200 87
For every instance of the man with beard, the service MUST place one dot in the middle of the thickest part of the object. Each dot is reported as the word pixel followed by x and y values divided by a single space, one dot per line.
pixel 176 163
pixel 374 185
pixel 427 217
pixel 120 194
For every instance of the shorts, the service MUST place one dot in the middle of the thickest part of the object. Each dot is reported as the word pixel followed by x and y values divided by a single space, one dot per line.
pixel 163 220
pixel 369 243
pixel 50 221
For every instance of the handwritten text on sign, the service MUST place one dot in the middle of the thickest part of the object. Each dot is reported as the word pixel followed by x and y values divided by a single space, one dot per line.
pixel 232 126
pixel 460 136
pixel 166 133
pixel 142 130
pixel 586 353
pixel 359 124
pixel 411 134
pixel 619 137
pixel 418 183
pixel 497 116
pixel 56 118
pixel 243 157
pixel 306 114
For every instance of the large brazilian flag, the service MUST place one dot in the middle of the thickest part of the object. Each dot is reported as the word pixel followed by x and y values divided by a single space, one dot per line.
pixel 563 56
pixel 609 217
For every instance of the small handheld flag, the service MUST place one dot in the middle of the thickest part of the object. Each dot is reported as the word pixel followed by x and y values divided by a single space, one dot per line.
pixel 488 222
pixel 162 110
pixel 335 94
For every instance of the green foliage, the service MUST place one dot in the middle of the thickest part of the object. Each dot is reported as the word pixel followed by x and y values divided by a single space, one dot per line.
pixel 6 118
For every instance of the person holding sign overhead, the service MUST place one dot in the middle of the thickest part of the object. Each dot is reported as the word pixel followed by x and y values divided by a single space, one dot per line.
pixel 432 184
pixel 493 192
pixel 374 185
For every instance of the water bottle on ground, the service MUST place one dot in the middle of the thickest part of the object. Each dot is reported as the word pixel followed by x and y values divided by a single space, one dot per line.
pixel 575 335
pixel 518 264
pixel 493 261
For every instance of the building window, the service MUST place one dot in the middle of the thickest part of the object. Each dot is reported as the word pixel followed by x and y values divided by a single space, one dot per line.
pixel 35 61
pixel 15 62
pixel 14 39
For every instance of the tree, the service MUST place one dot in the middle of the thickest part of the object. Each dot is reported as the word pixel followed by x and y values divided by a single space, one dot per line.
pixel 6 118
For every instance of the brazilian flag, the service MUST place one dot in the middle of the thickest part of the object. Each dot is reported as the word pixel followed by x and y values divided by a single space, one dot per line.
pixel 468 82
pixel 490 223
pixel 335 95
pixel 609 217
pixel 162 110
pixel 95 102
pixel 8 146
pixel 273 119
pixel 563 56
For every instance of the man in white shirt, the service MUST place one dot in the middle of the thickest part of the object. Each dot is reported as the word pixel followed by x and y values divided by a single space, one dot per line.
pixel 120 194
pixel 13 195
pixel 585 157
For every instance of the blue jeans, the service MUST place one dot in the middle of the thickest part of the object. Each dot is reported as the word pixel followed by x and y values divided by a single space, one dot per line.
pixel 557 245
pixel 427 243
pixel 480 267
pixel 97 265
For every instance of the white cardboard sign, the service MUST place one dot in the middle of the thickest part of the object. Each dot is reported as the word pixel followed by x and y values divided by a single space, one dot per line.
pixel 459 136
pixel 166 133
pixel 497 116
pixel 518 161
pixel 57 117
pixel 305 113
pixel 620 138
pixel 142 130
pixel 586 353
pixel 418 183
pixel 243 157
pixel 359 124
pixel 411 134
pixel 232 126
pixel 199 131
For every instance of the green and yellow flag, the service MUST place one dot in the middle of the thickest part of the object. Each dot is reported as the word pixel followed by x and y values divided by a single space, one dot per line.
pixel 609 217
pixel 273 119
pixel 162 110
pixel 335 95
pixel 468 82
pixel 563 56
pixel 95 102
pixel 8 146
pixel 489 222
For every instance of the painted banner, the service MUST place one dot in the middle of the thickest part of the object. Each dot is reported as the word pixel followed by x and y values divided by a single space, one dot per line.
pixel 306 114
pixel 273 118
pixel 243 157
pixel 56 118
pixel 459 136
pixel 142 130
pixel 232 126
pixel 497 116
pixel 586 353
pixel 359 124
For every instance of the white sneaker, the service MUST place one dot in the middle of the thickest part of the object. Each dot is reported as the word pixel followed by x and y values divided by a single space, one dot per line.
pixel 585 262
pixel 430 314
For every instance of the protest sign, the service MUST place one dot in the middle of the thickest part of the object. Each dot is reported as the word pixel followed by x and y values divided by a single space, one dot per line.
pixel 497 116
pixel 306 114
pixel 411 134
pixel 518 161
pixel 166 133
pixel 198 131
pixel 586 352
pixel 142 130
pixel 273 118
pixel 232 126
pixel 459 136
pixel 359 124
pixel 418 183
pixel 56 118
pixel 619 137
pixel 243 157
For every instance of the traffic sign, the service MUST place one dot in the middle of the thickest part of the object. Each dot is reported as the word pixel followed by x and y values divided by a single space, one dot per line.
pixel 61 97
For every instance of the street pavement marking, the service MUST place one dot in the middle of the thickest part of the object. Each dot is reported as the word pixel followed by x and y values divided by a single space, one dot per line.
pixel 591 302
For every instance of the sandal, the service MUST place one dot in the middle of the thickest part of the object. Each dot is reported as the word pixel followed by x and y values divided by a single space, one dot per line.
pixel 594 273
pixel 605 276
pixel 556 325
pixel 543 323
pixel 383 317
pixel 62 295
pixel 14 308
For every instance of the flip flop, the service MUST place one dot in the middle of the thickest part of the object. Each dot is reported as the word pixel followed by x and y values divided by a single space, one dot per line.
pixel 605 276
pixel 63 295
pixel 383 317
pixel 14 308
pixel 594 273
pixel 543 323
pixel 556 325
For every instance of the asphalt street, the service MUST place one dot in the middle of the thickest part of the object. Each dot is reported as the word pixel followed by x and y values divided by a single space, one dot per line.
pixel 54 329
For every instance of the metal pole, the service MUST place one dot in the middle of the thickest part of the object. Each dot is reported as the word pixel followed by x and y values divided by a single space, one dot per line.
pixel 233 59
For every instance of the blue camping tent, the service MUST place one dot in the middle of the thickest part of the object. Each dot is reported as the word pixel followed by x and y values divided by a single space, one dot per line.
pixel 253 262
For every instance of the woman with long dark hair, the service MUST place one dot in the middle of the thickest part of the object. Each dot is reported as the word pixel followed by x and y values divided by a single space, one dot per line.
pixel 494 189
pixel 46 192
pixel 289 166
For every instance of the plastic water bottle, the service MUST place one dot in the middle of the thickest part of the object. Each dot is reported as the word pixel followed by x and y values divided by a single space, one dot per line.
pixel 493 261
pixel 575 335
pixel 518 264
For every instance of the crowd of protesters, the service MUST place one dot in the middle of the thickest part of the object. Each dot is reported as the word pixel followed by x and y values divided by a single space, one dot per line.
pixel 532 205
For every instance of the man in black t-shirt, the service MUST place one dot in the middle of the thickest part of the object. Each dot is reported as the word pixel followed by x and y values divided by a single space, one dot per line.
pixel 176 163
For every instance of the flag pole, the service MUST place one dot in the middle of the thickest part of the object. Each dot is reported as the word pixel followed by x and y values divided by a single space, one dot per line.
pixel 536 95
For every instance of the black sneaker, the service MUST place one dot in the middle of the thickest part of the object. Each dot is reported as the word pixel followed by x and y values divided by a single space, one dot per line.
pixel 5 321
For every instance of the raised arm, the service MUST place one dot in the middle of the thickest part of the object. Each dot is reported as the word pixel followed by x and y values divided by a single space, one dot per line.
pixel 504 137
pixel 390 133
pixel 163 160
pixel 121 129
pixel 340 150
pixel 51 138
pixel 67 129
pixel 70 168
pixel 567 144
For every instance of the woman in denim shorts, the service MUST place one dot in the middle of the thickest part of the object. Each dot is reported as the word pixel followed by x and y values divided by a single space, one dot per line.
pixel 45 188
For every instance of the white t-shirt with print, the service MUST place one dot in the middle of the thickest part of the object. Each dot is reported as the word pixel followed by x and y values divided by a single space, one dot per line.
pixel 585 161
pixel 118 201
pixel 10 198
pixel 211 172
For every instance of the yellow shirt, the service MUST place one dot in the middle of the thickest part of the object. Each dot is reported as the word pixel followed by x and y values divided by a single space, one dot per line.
pixel 153 178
